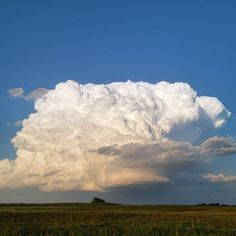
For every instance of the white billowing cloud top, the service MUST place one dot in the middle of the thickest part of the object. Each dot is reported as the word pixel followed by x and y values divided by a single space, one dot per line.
pixel 92 137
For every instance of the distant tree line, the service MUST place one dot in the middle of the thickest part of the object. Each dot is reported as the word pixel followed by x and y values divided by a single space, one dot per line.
pixel 212 204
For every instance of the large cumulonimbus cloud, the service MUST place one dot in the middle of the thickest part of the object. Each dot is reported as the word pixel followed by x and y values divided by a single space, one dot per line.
pixel 93 137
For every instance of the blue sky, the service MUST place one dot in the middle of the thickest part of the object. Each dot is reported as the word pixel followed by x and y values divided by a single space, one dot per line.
pixel 43 43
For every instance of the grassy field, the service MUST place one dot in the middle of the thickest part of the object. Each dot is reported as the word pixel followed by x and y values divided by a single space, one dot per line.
pixel 111 219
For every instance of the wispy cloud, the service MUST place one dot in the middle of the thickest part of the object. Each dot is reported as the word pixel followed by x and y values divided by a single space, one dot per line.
pixel 220 178
pixel 34 95
pixel 16 92
pixel 18 123
pixel 219 146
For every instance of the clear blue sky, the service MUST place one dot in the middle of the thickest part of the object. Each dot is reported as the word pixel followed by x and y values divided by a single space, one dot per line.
pixel 43 43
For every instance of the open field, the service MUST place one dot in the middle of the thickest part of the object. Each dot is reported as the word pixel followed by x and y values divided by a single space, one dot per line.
pixel 111 219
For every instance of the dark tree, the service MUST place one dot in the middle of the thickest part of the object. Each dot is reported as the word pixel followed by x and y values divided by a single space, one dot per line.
pixel 98 200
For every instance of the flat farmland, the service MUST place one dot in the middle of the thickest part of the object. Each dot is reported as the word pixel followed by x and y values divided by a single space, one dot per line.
pixel 114 219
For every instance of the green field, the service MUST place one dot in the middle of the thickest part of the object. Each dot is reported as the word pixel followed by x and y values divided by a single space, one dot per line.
pixel 111 219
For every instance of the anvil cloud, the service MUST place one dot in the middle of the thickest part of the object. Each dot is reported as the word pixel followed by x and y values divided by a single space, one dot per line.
pixel 93 137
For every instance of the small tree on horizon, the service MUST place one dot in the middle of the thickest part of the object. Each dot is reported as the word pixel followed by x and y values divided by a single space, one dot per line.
pixel 98 200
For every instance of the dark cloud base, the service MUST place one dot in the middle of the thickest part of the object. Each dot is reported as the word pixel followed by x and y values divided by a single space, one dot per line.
pixel 184 193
